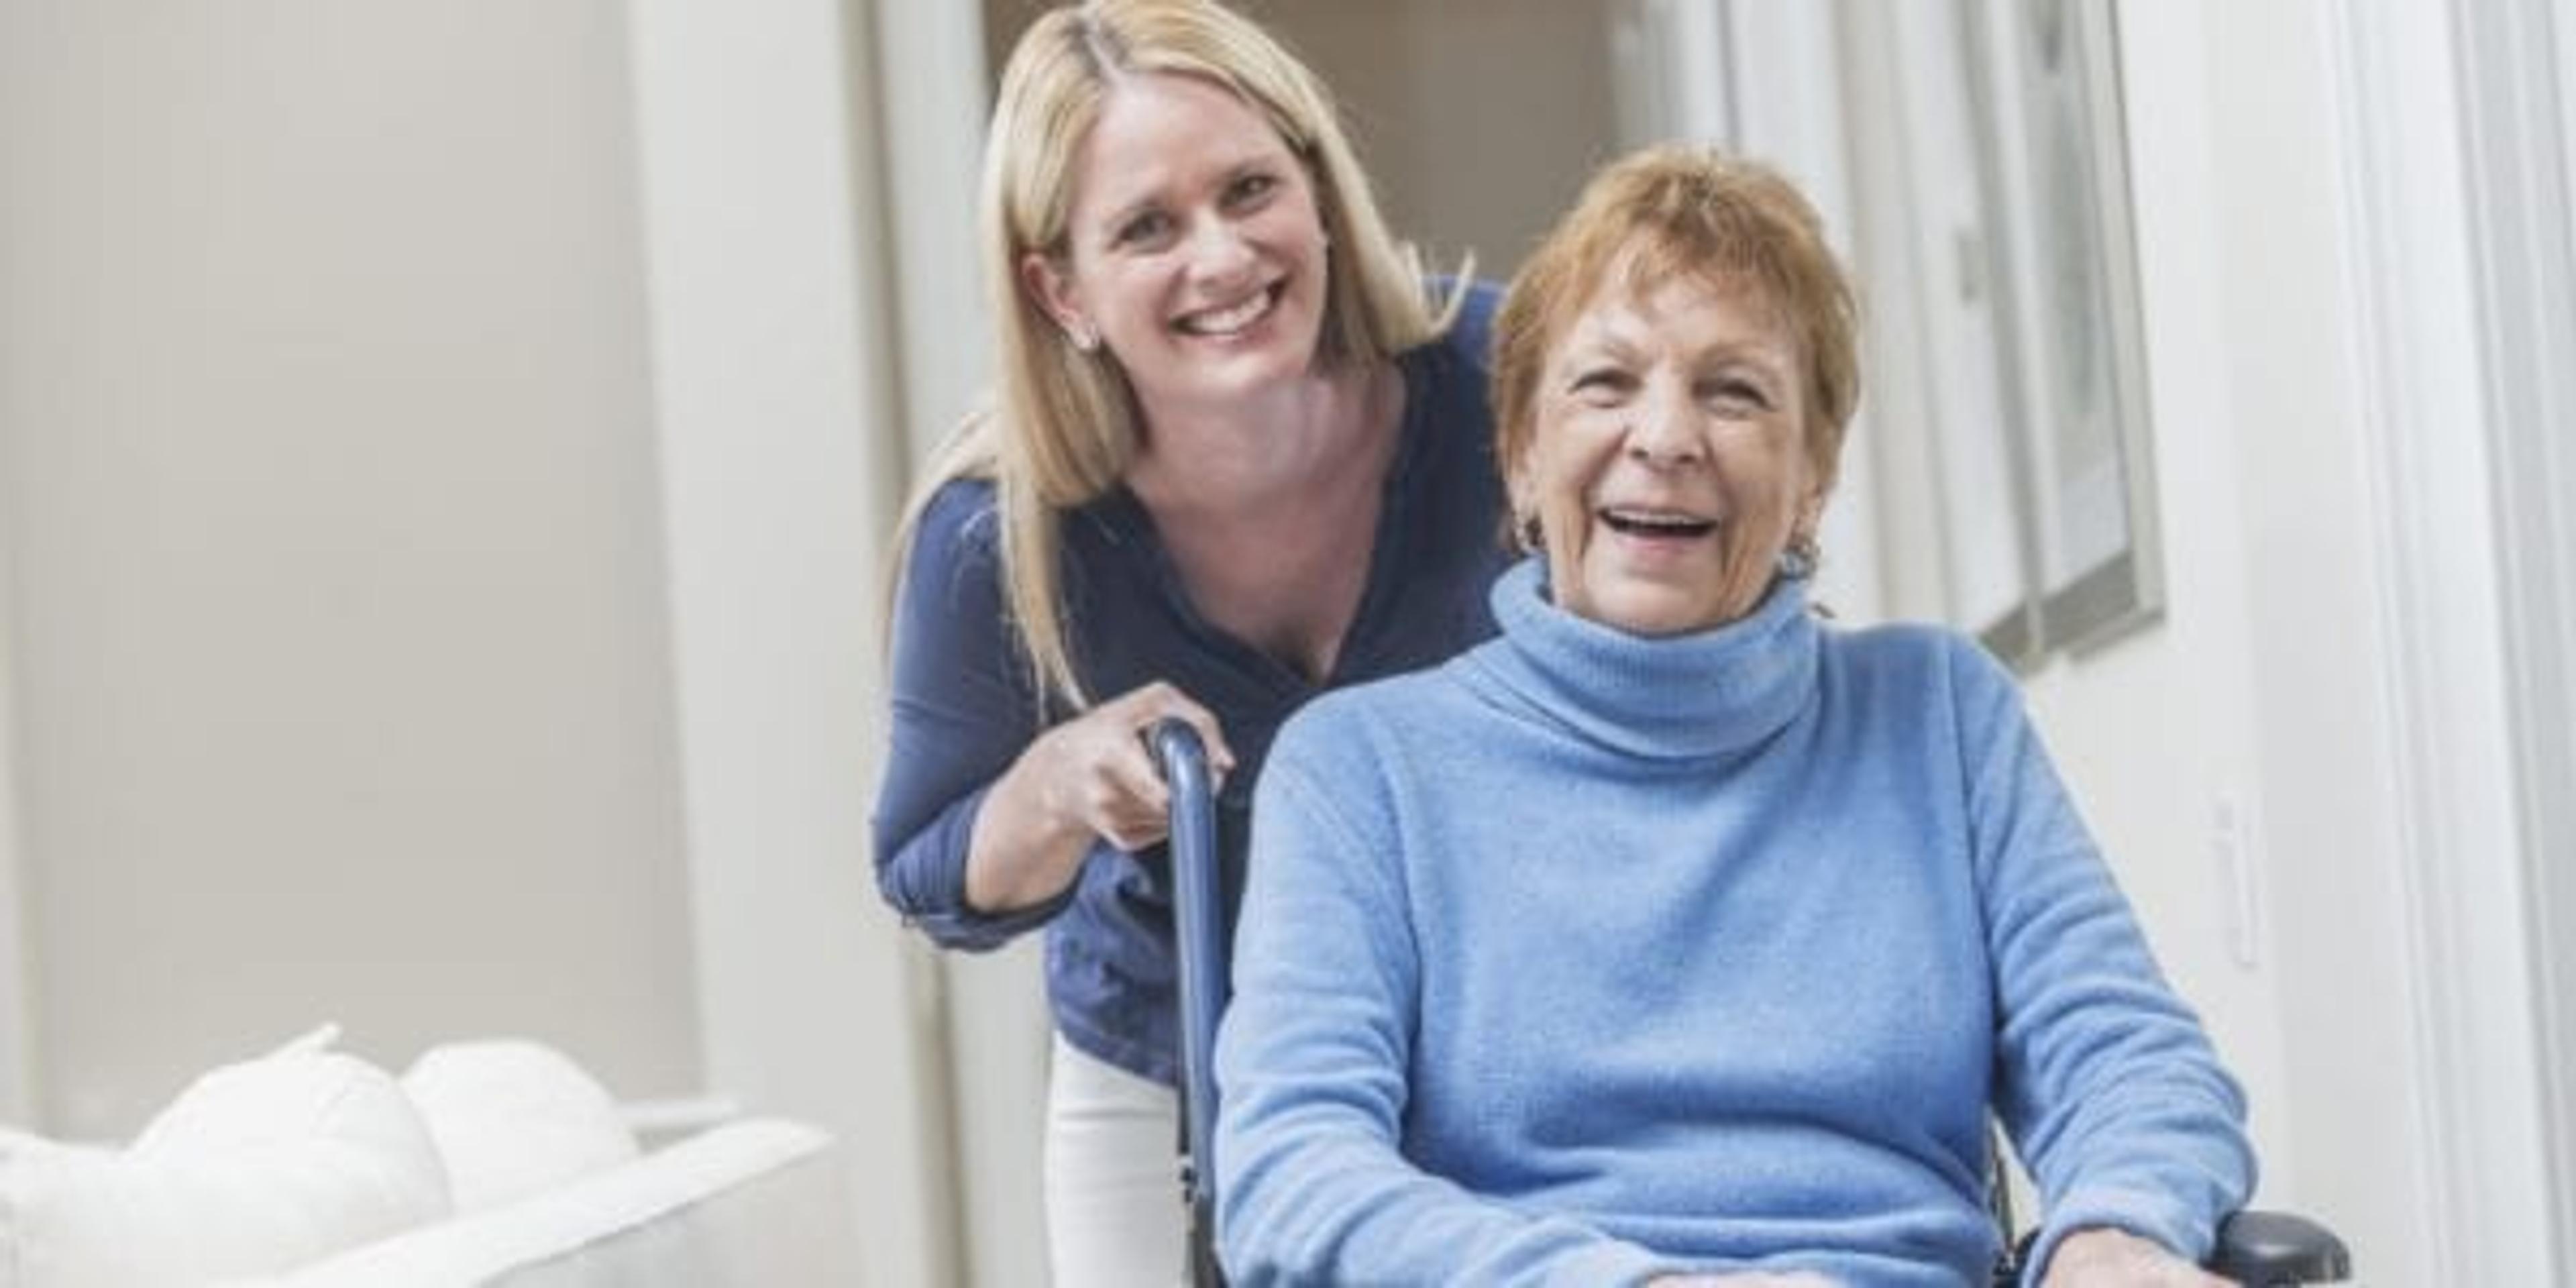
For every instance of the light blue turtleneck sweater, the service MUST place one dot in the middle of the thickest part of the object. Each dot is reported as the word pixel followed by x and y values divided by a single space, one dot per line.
pixel 1586 957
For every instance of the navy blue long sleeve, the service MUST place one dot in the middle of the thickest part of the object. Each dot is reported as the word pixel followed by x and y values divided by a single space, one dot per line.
pixel 964 707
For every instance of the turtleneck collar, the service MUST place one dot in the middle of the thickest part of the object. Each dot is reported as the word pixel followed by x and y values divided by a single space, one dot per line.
pixel 1712 693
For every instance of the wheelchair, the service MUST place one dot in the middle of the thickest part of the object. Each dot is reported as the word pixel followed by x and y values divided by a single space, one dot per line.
pixel 2256 1249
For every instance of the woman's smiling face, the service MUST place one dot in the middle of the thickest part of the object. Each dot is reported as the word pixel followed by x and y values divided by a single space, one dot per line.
pixel 1669 466
pixel 1193 246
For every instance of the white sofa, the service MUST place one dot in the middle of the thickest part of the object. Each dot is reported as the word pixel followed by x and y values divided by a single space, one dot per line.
pixel 492 1162
pixel 755 1202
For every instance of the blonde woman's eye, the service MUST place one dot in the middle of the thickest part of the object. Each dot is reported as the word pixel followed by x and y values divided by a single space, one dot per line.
pixel 1147 227
pixel 1251 188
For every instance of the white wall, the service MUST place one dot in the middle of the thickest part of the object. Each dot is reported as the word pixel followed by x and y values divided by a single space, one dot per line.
pixel 776 378
pixel 2245 738
pixel 2417 100
pixel 2515 71
pixel 17 1028
pixel 931 75
pixel 342 679
pixel 2300 772
pixel 2313 357
pixel 347 405
pixel 1477 122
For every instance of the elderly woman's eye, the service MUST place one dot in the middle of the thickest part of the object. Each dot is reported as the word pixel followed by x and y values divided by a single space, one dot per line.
pixel 1736 396
pixel 1602 385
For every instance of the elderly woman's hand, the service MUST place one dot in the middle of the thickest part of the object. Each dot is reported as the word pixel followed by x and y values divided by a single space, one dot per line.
pixel 2108 1258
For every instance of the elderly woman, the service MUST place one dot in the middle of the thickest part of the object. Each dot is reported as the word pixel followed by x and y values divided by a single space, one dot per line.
pixel 1675 936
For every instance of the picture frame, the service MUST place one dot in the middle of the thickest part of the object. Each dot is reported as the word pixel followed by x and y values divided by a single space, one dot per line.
pixel 2051 145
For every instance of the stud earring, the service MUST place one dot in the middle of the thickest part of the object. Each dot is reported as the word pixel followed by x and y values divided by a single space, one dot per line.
pixel 1532 537
pixel 1797 560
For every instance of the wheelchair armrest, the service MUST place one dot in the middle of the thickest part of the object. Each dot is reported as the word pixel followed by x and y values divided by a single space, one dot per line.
pixel 2268 1249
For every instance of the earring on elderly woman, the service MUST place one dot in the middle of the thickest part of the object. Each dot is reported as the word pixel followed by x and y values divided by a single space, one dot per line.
pixel 1797 560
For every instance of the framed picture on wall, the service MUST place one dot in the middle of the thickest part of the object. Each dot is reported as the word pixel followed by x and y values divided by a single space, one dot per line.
pixel 2051 148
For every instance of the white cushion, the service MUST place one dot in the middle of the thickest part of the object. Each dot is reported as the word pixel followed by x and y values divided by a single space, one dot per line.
pixel 755 1202
pixel 255 1168
pixel 513 1118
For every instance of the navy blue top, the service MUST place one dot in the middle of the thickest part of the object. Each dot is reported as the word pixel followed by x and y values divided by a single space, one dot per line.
pixel 964 705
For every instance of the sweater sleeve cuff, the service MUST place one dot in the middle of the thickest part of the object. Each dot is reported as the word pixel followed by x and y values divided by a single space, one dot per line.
pixel 1610 1262
pixel 2152 1217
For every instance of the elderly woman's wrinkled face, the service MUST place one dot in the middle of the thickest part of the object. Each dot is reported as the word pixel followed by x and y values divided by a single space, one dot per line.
pixel 1669 463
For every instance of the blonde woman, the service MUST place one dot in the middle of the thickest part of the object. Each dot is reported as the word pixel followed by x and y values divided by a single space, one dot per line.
pixel 1240 454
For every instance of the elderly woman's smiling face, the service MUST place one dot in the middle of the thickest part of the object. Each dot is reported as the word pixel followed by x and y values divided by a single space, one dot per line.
pixel 1669 465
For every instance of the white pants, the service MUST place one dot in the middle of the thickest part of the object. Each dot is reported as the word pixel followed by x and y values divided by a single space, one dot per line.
pixel 1115 1218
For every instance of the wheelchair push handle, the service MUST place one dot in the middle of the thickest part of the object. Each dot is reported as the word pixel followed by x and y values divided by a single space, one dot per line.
pixel 1198 926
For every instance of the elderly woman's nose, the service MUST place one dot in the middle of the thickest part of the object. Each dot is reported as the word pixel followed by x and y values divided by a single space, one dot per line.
pixel 1662 434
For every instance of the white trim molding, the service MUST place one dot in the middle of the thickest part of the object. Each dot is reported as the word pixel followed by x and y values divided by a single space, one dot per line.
pixel 931 90
pixel 777 393
pixel 984 1029
pixel 2428 427
pixel 1673 60
pixel 18 1088
pixel 2518 71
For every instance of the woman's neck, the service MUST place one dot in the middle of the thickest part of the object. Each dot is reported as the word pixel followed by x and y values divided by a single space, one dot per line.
pixel 1270 515
pixel 1247 456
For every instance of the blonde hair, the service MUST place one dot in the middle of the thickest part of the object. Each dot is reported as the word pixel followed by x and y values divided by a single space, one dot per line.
pixel 1678 211
pixel 1064 427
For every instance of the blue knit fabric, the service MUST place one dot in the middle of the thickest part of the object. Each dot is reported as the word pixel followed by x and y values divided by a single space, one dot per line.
pixel 1587 957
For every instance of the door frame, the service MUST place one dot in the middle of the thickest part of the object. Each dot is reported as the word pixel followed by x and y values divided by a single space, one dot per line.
pixel 2426 124
pixel 2518 109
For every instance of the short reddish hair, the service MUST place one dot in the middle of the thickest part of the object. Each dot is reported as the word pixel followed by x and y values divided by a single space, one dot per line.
pixel 1675 211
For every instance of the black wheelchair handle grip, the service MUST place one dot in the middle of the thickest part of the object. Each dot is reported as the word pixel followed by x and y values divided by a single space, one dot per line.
pixel 2262 1249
